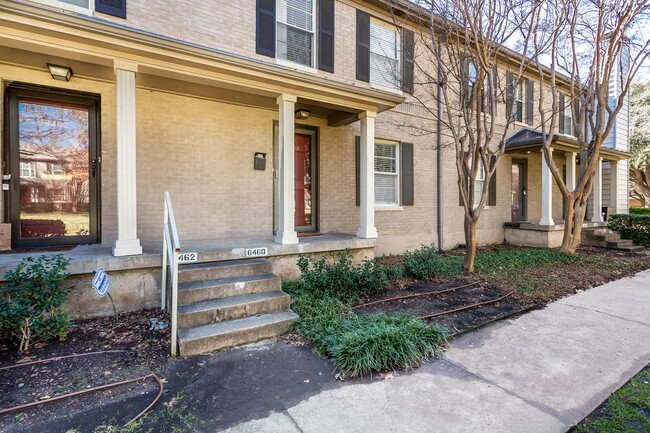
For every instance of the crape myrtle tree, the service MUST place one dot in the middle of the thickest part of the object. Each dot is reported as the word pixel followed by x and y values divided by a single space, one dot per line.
pixel 598 44
pixel 640 141
pixel 461 60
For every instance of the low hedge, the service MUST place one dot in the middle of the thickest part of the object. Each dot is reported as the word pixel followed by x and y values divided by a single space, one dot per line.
pixel 640 211
pixel 633 227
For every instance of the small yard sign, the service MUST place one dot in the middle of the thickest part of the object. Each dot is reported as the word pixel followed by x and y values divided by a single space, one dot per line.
pixel 188 258
pixel 101 283
pixel 257 252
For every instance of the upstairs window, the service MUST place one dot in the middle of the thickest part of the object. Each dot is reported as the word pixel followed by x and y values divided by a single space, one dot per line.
pixel 79 6
pixel 384 54
pixel 566 116
pixel 518 106
pixel 295 31
pixel 27 169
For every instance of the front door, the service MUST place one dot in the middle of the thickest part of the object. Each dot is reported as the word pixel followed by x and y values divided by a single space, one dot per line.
pixel 305 179
pixel 519 188
pixel 52 154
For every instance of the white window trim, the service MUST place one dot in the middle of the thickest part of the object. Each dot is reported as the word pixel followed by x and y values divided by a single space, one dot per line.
pixel 519 86
pixel 68 7
pixel 31 169
pixel 384 206
pixel 397 88
pixel 568 114
pixel 478 179
pixel 295 65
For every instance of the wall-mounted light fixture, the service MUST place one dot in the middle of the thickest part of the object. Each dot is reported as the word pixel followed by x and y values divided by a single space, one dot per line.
pixel 302 114
pixel 61 73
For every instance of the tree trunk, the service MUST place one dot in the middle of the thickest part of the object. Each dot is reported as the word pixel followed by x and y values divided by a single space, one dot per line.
pixel 470 245
pixel 575 217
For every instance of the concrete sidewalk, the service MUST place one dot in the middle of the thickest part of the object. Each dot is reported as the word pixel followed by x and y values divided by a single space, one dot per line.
pixel 541 372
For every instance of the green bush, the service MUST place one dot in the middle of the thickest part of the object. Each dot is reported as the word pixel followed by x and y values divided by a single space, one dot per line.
pixel 31 300
pixel 634 227
pixel 427 262
pixel 339 278
pixel 381 342
pixel 640 211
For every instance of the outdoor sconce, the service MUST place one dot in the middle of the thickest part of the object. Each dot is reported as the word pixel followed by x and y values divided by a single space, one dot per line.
pixel 259 162
pixel 302 114
pixel 61 73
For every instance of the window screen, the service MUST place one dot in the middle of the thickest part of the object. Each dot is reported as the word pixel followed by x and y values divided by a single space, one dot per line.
pixel 384 54
pixel 386 175
pixel 295 32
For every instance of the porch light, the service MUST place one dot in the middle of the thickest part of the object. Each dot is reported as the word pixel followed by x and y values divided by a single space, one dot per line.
pixel 302 114
pixel 61 73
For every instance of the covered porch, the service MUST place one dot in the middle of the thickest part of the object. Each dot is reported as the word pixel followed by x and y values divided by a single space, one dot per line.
pixel 538 209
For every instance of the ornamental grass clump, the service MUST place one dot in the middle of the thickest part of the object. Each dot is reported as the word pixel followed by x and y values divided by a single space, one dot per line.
pixel 31 301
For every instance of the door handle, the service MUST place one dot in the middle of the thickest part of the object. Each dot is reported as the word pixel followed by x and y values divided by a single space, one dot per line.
pixel 93 165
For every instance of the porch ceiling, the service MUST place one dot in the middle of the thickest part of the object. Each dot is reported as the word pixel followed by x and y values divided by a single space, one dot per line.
pixel 32 35
pixel 528 140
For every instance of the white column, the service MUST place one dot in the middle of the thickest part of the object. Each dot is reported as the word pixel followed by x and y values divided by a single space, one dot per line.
pixel 570 171
pixel 127 242
pixel 598 193
pixel 613 183
pixel 547 192
pixel 367 228
pixel 286 233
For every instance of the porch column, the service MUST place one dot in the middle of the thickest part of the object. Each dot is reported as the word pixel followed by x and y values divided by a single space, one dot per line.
pixel 367 228
pixel 613 183
pixel 598 193
pixel 127 243
pixel 286 233
pixel 570 171
pixel 547 192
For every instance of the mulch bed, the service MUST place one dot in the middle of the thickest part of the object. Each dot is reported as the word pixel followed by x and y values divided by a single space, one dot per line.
pixel 129 348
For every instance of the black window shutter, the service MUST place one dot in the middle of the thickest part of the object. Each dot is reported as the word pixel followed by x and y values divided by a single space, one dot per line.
pixel 357 167
pixel 265 35
pixel 408 60
pixel 117 8
pixel 530 101
pixel 407 174
pixel 492 186
pixel 561 113
pixel 363 46
pixel 326 35
pixel 510 94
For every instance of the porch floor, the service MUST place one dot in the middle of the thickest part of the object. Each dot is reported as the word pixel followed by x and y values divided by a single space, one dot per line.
pixel 87 258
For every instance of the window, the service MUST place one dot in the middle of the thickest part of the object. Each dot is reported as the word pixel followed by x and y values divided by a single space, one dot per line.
pixel 568 119
pixel 386 173
pixel 384 54
pixel 27 169
pixel 80 6
pixel 295 31
pixel 479 184
pixel 518 106
pixel 56 168
pixel 472 77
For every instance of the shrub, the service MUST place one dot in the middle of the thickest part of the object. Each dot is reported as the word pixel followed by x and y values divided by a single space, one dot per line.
pixel 427 262
pixel 31 300
pixel 640 211
pixel 634 227
pixel 380 342
pixel 339 278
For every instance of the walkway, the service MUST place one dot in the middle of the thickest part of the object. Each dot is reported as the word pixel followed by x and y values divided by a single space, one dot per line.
pixel 541 372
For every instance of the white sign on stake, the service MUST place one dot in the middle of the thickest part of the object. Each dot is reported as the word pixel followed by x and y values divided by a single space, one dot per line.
pixel 101 283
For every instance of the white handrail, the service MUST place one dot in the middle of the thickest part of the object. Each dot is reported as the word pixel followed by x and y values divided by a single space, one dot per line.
pixel 171 249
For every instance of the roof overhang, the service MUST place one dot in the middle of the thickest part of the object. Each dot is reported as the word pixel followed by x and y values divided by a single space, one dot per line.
pixel 561 144
pixel 42 30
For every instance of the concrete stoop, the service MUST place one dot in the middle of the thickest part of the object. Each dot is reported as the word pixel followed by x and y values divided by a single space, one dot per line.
pixel 226 304
pixel 605 238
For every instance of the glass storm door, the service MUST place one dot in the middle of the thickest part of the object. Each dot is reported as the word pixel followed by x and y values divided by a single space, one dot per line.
pixel 518 191
pixel 54 168
pixel 303 182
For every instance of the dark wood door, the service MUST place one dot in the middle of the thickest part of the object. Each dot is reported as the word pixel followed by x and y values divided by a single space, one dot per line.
pixel 519 190
pixel 52 154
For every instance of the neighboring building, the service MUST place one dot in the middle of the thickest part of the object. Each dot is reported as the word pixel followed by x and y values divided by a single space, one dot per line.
pixel 245 111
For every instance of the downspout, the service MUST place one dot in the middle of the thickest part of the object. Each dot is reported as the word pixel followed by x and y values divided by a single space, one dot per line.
pixel 439 148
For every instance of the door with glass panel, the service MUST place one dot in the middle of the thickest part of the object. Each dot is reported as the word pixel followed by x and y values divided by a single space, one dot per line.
pixel 54 168
pixel 519 193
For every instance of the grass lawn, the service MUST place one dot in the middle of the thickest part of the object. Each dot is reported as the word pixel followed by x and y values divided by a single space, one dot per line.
pixel 626 410
pixel 75 223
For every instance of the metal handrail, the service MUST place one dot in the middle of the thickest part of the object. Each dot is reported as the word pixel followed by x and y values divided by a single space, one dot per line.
pixel 171 249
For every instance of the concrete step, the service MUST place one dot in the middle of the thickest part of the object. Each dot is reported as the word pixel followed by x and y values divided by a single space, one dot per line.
pixel 607 237
pixel 217 336
pixel 198 291
pixel 632 248
pixel 620 243
pixel 236 307
pixel 217 270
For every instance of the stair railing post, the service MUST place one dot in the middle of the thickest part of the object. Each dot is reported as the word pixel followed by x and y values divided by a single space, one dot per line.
pixel 163 295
